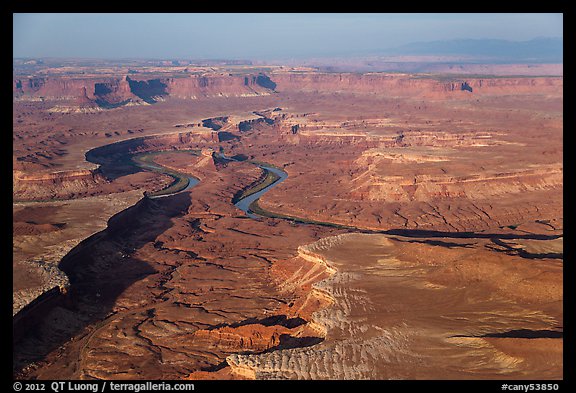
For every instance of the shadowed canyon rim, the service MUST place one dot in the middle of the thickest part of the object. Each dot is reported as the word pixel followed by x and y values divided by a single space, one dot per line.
pixel 401 226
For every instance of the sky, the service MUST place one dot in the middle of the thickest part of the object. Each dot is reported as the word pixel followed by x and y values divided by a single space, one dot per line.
pixel 257 35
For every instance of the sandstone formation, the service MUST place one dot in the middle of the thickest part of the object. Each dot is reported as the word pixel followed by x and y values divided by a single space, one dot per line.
pixel 396 315
pixel 44 233
pixel 112 92
pixel 418 235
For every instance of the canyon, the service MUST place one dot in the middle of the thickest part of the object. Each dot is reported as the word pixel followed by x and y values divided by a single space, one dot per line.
pixel 418 233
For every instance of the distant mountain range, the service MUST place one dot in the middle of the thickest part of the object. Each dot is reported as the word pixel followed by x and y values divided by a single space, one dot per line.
pixel 540 50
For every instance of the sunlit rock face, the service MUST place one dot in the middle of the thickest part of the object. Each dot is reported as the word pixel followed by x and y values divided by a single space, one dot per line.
pixel 418 234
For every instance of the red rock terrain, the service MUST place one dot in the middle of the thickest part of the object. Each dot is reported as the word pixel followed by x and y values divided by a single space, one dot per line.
pixel 464 176
pixel 418 309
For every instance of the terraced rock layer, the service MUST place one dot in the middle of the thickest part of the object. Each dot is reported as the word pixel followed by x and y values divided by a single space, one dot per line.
pixel 172 287
pixel 114 92
pixel 465 175
pixel 427 314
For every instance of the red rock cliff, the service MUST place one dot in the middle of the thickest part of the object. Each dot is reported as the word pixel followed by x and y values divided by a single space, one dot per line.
pixel 118 90
pixel 394 84
pixel 53 185
pixel 214 85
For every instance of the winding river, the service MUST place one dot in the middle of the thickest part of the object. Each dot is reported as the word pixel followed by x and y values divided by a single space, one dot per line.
pixel 184 182
pixel 246 204
pixel 191 181
pixel 243 204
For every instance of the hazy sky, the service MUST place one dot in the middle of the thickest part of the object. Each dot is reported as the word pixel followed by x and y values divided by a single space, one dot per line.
pixel 257 36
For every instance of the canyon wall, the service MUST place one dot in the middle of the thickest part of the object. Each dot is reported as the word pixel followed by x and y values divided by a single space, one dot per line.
pixel 215 85
pixel 394 84
pixel 173 141
pixel 109 90
pixel 424 188
pixel 26 186
pixel 29 186
pixel 113 91
pixel 118 91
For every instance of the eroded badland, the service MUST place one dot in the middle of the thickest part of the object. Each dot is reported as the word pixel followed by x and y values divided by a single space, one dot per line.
pixel 418 234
